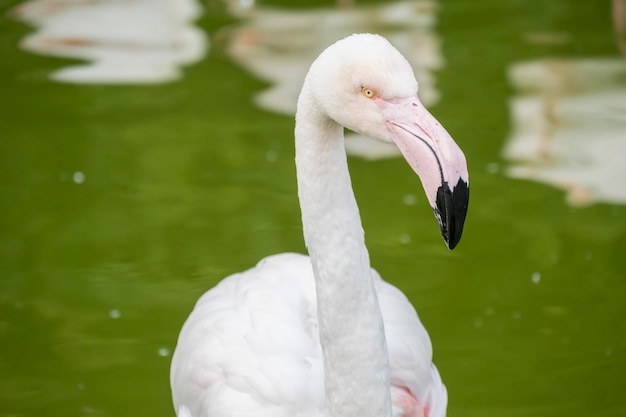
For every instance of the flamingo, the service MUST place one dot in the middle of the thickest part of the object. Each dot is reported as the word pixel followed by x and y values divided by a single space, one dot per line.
pixel 324 335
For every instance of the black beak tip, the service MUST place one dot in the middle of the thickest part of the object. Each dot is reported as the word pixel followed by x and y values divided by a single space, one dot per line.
pixel 451 210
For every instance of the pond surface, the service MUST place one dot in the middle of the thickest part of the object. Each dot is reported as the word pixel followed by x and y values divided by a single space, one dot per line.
pixel 123 201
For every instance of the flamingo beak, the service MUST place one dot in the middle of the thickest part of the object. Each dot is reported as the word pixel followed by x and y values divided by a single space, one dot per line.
pixel 435 158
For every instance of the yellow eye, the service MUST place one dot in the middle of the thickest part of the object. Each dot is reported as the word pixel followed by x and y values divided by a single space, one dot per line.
pixel 368 92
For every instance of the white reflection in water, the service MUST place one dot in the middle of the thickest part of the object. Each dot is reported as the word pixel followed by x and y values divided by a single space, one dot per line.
pixel 405 238
pixel 569 127
pixel 409 199
pixel 78 177
pixel 279 45
pixel 535 277
pixel 126 41
pixel 115 314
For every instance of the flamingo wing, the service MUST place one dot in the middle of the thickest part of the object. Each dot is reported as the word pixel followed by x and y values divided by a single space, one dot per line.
pixel 250 346
pixel 412 373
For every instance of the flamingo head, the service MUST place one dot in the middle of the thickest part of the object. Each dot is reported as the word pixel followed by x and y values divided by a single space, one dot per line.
pixel 363 83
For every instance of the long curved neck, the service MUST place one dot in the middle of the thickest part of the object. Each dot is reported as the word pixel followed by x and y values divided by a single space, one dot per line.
pixel 356 369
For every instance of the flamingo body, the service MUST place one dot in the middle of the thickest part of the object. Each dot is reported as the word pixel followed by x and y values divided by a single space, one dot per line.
pixel 252 343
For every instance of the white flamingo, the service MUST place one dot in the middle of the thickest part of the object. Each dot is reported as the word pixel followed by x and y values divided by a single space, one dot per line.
pixel 324 335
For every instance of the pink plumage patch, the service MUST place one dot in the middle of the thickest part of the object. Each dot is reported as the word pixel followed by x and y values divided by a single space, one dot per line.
pixel 403 399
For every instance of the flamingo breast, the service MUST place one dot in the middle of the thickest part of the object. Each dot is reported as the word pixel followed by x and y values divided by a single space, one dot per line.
pixel 251 343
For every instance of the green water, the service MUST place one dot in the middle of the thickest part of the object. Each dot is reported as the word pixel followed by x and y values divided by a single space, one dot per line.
pixel 121 205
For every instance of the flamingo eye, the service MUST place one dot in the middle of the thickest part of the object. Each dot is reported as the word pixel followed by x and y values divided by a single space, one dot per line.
pixel 368 92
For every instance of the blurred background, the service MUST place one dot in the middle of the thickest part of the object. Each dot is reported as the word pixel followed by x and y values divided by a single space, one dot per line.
pixel 146 151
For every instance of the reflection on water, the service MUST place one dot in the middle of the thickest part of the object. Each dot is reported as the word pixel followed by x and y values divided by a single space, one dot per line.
pixel 278 46
pixel 569 127
pixel 125 41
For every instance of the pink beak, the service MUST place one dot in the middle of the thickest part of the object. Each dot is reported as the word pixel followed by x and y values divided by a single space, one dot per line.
pixel 435 158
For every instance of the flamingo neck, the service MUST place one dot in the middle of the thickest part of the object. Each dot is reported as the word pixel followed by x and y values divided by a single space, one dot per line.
pixel 356 369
